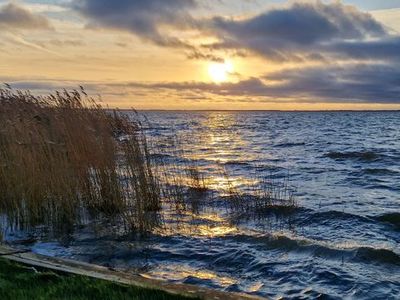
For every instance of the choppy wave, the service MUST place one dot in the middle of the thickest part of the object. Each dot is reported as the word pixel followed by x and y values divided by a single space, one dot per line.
pixel 380 171
pixel 334 245
pixel 286 145
pixel 392 218
pixel 333 242
pixel 369 255
pixel 367 156
pixel 320 249
pixel 237 163
pixel 319 218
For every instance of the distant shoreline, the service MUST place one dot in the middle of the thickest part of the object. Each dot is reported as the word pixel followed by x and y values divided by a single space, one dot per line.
pixel 249 110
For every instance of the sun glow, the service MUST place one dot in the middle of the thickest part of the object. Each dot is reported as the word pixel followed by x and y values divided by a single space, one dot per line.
pixel 219 72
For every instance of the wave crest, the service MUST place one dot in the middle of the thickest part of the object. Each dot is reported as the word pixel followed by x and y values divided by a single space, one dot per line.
pixel 355 155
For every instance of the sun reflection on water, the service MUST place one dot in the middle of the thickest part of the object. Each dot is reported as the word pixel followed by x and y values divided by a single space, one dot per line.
pixel 219 144
pixel 207 225
pixel 180 272
pixel 219 137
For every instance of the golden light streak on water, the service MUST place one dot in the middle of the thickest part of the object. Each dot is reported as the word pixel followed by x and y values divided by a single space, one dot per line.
pixel 180 272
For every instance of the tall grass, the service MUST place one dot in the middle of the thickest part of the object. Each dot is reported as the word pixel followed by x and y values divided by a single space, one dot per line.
pixel 63 160
pixel 66 161
pixel 266 195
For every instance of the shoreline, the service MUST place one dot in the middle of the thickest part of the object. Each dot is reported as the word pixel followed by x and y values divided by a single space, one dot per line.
pixel 99 272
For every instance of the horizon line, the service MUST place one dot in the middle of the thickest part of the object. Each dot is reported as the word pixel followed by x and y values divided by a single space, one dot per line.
pixel 254 110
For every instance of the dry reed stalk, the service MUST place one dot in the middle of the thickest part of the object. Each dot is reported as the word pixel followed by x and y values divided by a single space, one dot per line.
pixel 62 162
pixel 66 161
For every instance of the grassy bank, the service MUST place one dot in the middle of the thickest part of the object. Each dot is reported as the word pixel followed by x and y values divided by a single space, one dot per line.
pixel 20 282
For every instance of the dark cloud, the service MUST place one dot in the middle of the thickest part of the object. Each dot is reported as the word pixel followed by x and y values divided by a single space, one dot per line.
pixel 38 86
pixel 14 16
pixel 196 54
pixel 144 18
pixel 304 24
pixel 297 32
pixel 366 83
pixel 387 48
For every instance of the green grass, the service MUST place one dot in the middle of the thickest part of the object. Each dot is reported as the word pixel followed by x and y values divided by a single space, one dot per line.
pixel 21 282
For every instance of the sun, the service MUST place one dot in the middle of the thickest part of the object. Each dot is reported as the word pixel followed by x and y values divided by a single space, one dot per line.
pixel 219 72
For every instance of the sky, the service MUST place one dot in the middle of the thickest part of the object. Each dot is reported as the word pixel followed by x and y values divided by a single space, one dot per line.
pixel 207 54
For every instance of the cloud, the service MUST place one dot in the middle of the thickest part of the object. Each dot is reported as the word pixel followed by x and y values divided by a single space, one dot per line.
pixel 365 83
pixel 299 31
pixel 16 17
pixel 196 54
pixel 355 58
pixel 304 23
pixel 387 48
pixel 144 18
pixel 21 40
pixel 350 83
pixel 362 83
pixel 64 43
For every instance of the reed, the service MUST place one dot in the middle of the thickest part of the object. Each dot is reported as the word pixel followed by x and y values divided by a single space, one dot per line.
pixel 274 194
pixel 197 180
pixel 65 160
pixel 266 196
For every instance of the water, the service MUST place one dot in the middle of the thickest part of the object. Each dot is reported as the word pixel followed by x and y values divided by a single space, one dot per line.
pixel 343 239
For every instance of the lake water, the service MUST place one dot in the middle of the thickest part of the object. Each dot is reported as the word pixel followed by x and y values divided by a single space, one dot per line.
pixel 343 240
